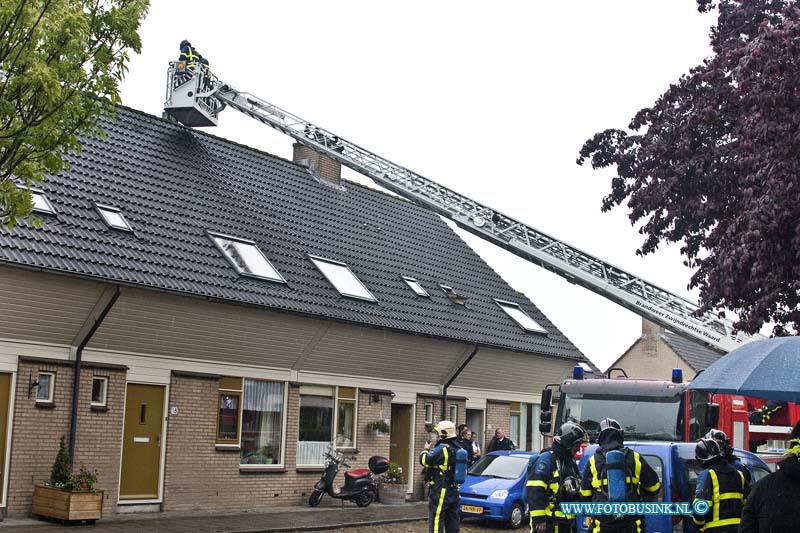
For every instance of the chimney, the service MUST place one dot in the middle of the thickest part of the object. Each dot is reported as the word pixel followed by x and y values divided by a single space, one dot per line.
pixel 650 336
pixel 327 169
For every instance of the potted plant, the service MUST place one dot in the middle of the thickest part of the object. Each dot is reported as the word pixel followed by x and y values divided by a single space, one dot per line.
pixel 66 496
pixel 392 488
pixel 378 427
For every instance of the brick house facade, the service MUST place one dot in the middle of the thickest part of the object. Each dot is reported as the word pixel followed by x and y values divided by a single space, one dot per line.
pixel 186 322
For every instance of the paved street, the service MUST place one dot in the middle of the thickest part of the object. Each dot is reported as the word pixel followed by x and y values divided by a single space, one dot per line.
pixel 469 526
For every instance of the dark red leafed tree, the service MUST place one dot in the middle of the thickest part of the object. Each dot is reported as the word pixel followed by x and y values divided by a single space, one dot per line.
pixel 714 164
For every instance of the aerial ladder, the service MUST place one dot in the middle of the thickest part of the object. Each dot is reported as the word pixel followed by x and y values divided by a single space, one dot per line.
pixel 196 97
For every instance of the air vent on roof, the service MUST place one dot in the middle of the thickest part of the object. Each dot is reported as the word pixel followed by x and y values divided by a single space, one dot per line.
pixel 342 278
pixel 113 217
pixel 453 295
pixel 246 257
pixel 520 317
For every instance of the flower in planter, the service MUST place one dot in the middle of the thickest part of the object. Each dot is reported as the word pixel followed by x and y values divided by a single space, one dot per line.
pixel 394 475
pixel 61 478
pixel 378 426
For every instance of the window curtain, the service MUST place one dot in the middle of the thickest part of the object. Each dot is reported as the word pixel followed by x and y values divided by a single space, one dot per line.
pixel 262 422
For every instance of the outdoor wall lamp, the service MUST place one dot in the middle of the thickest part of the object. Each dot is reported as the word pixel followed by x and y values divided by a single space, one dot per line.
pixel 32 384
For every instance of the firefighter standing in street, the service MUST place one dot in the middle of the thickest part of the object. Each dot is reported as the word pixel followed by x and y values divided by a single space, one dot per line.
pixel 443 496
pixel 728 453
pixel 641 481
pixel 721 487
pixel 553 479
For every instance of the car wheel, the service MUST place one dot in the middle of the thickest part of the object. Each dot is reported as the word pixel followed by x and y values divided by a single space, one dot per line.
pixel 516 516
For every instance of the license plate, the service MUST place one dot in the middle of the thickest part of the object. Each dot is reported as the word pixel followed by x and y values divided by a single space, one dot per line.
pixel 472 509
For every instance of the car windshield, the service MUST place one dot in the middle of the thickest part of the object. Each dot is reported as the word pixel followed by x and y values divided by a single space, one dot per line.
pixel 500 466
pixel 642 417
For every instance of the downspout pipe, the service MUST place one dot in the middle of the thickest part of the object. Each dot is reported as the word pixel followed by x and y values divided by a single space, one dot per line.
pixel 76 380
pixel 452 379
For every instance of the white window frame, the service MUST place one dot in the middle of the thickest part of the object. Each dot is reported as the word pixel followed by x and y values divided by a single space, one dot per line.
pixel 104 402
pixel 428 415
pixel 316 260
pixel 51 395
pixel 335 422
pixel 416 286
pixel 214 236
pixel 503 304
pixel 49 210
pixel 102 209
pixel 453 413
pixel 284 418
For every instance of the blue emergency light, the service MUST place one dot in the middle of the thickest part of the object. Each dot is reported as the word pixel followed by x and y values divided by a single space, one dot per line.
pixel 677 375
pixel 577 372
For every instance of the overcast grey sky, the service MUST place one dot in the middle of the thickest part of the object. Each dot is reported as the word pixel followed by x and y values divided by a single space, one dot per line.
pixel 493 100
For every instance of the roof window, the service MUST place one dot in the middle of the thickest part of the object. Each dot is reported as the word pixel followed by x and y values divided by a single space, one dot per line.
pixel 416 287
pixel 520 317
pixel 113 217
pixel 246 257
pixel 453 295
pixel 40 203
pixel 342 278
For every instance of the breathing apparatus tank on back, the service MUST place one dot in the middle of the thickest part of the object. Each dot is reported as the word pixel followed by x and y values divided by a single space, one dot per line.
pixel 615 465
pixel 460 473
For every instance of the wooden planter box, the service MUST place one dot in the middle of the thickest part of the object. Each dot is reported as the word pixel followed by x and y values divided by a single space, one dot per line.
pixel 67 505
pixel 392 493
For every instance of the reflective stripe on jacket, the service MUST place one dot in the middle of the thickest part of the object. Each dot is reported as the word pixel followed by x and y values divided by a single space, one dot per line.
pixel 724 489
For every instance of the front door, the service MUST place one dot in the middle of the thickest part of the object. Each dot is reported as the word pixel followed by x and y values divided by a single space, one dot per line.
pixel 400 439
pixel 141 445
pixel 5 398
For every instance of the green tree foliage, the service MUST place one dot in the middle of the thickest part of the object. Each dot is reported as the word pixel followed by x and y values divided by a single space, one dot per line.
pixel 714 164
pixel 61 475
pixel 60 65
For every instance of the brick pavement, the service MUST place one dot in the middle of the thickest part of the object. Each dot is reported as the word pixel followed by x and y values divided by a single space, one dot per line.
pixel 275 520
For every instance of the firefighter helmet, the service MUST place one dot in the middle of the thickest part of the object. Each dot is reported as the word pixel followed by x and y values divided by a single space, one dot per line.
pixel 445 429
pixel 707 450
pixel 570 435
pixel 609 424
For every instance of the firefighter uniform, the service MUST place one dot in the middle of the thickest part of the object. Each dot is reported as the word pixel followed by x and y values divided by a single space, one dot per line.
pixel 641 481
pixel 544 490
pixel 443 496
pixel 724 489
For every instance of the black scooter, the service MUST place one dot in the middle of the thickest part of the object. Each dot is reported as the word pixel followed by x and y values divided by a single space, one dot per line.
pixel 359 487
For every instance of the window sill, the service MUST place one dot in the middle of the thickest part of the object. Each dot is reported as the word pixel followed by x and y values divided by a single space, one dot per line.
pixel 310 468
pixel 265 469
pixel 45 405
pixel 99 408
pixel 227 447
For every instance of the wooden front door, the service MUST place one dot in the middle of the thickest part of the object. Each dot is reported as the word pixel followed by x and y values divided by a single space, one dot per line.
pixel 400 440
pixel 141 445
pixel 5 399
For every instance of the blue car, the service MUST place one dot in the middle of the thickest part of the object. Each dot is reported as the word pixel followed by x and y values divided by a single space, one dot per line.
pixel 495 488
pixel 677 469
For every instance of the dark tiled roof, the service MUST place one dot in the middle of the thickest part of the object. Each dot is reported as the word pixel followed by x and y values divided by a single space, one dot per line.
pixel 699 357
pixel 174 184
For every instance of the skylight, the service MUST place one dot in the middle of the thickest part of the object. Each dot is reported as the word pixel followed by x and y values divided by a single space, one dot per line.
pixel 246 257
pixel 520 317
pixel 113 217
pixel 453 295
pixel 416 287
pixel 40 203
pixel 342 278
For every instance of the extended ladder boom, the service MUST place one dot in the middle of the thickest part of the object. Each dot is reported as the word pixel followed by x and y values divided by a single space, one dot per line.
pixel 209 96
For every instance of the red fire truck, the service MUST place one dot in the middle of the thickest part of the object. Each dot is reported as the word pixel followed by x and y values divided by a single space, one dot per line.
pixel 651 409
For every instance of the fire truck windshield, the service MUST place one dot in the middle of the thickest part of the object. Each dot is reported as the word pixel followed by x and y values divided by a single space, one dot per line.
pixel 641 417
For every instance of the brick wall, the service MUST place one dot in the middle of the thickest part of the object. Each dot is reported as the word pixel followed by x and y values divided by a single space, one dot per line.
pixel 326 168
pixel 498 415
pixel 422 435
pixel 199 476
pixel 38 429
